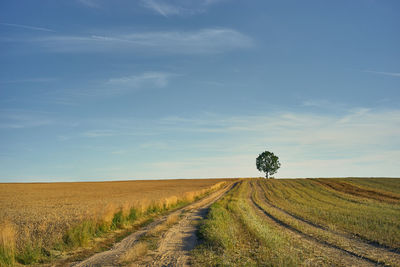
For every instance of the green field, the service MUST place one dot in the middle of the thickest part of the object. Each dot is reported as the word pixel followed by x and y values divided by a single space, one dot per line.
pixel 292 222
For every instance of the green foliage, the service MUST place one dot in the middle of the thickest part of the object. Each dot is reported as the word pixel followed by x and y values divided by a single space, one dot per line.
pixel 267 162
pixel 32 254
pixel 117 221
pixel 81 234
pixel 133 214
pixel 6 256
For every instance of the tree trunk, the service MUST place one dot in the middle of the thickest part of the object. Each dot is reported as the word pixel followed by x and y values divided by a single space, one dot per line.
pixel 266 175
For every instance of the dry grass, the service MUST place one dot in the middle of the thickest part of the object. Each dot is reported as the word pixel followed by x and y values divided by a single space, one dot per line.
pixel 361 191
pixel 172 219
pixel 162 227
pixel 7 243
pixel 301 222
pixel 138 250
pixel 43 213
pixel 335 204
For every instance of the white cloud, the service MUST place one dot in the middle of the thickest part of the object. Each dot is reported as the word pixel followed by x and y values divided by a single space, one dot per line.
pixel 20 119
pixel 178 7
pixel 30 80
pixel 99 133
pixel 361 142
pixel 118 152
pixel 147 79
pixel 393 74
pixel 162 8
pixel 174 42
pixel 29 27
pixel 89 3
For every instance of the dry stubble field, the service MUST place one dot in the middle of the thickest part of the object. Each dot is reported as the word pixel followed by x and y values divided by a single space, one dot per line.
pixel 35 217
pixel 304 222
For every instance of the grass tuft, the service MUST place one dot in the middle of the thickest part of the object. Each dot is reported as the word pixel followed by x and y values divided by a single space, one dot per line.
pixel 138 250
pixel 7 244
pixel 81 234
pixel 32 254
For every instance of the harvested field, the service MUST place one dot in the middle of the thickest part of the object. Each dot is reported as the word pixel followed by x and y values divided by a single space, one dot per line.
pixel 295 222
pixel 244 222
pixel 40 214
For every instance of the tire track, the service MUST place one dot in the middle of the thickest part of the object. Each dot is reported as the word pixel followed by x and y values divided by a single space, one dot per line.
pixel 339 250
pixel 175 246
pixel 343 235
pixel 112 257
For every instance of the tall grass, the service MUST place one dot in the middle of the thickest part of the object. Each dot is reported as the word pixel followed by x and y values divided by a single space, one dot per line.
pixel 83 233
pixel 7 244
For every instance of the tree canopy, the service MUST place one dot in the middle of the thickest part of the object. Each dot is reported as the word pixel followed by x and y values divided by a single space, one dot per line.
pixel 267 162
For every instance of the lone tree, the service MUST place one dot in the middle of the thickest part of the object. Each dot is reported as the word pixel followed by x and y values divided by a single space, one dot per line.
pixel 267 162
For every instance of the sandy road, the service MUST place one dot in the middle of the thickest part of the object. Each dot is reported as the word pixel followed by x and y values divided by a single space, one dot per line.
pixel 175 245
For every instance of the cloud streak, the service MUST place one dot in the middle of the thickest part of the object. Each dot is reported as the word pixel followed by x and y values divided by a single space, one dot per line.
pixel 359 142
pixel 393 74
pixel 178 7
pixel 27 27
pixel 172 42
pixel 162 8
pixel 310 145
pixel 89 3
pixel 30 80
pixel 147 79
pixel 19 119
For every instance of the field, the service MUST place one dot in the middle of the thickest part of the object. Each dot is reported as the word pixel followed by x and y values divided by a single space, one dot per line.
pixel 40 219
pixel 241 222
pixel 320 222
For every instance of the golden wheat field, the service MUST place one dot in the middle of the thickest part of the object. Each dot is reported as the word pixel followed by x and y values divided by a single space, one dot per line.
pixel 39 214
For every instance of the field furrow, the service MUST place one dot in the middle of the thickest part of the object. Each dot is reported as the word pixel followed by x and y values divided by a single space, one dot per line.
pixel 374 221
pixel 324 236
pixel 336 254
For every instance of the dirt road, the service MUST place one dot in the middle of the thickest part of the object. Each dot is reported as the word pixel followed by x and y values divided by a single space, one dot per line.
pixel 174 246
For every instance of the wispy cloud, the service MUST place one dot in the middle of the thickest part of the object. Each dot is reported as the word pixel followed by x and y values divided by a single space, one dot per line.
pixel 118 152
pixel 175 42
pixel 99 133
pixel 29 27
pixel 178 7
pixel 89 3
pixel 393 74
pixel 162 8
pixel 121 85
pixel 29 80
pixel 147 79
pixel 20 119
pixel 308 144
pixel 360 141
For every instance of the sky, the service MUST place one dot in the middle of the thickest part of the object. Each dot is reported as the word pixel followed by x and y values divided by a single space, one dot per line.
pixel 154 89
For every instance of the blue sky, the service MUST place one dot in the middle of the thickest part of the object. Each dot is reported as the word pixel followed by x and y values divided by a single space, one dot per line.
pixel 113 90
